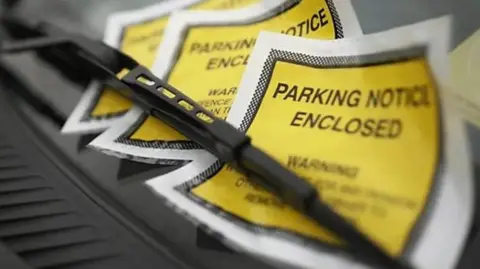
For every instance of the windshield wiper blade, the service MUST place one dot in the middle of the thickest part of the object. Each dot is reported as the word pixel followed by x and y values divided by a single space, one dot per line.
pixel 163 101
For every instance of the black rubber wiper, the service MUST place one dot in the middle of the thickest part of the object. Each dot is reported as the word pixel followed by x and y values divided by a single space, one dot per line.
pixel 90 58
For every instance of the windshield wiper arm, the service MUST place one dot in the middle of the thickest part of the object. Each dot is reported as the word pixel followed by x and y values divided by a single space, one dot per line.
pixel 15 84
pixel 97 60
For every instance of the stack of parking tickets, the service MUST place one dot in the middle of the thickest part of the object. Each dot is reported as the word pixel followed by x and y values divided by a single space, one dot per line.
pixel 366 119
pixel 204 53
pixel 137 33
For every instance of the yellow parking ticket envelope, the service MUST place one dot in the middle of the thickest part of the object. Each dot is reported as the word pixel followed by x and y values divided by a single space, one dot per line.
pixel 137 33
pixel 366 122
pixel 204 54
